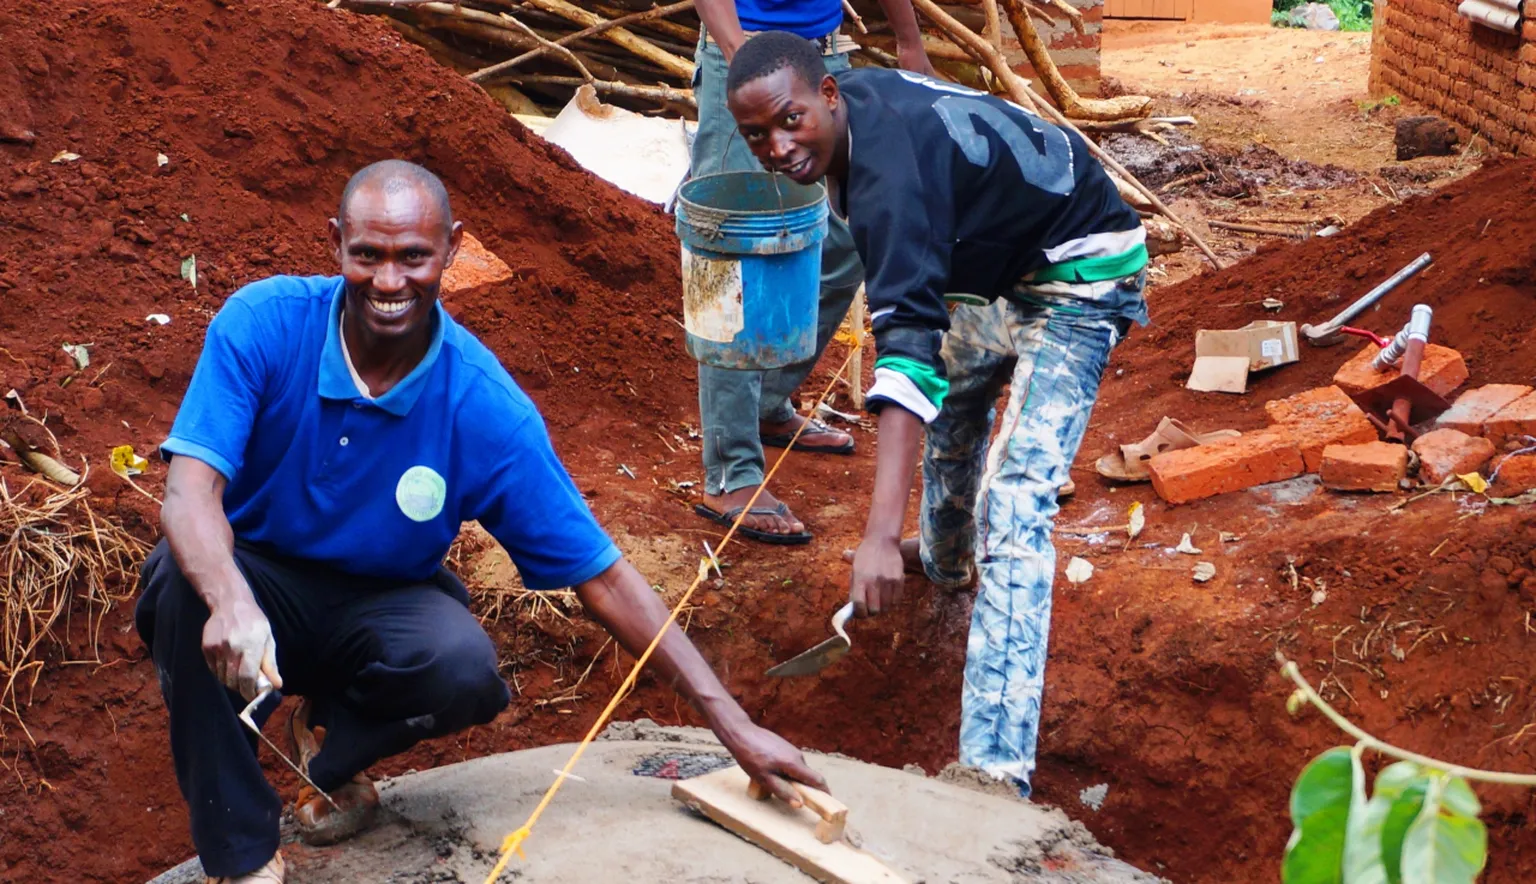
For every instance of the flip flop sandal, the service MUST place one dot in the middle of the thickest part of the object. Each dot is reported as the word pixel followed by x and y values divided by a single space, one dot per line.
pixel 812 427
pixel 728 518
pixel 1129 464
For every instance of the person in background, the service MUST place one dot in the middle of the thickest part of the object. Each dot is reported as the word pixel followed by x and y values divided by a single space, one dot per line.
pixel 743 411
pixel 950 191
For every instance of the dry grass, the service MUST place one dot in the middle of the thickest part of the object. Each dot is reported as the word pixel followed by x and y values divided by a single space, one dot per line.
pixel 54 550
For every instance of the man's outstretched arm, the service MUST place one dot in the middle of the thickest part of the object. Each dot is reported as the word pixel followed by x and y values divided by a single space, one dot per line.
pixel 626 606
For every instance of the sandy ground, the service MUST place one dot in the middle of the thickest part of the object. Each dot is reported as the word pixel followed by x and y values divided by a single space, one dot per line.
pixel 1303 94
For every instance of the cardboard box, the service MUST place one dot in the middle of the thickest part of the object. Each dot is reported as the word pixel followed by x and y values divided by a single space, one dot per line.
pixel 1266 343
pixel 1219 374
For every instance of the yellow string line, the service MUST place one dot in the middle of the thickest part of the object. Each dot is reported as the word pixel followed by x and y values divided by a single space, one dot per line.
pixel 513 843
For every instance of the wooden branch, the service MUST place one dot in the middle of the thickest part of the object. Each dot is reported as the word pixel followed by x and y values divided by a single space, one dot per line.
pixel 1264 231
pixel 657 22
pixel 442 52
pixel 1018 89
pixel 1066 97
pixel 672 64
pixel 994 29
pixel 501 35
pixel 853 14
pixel 879 56
pixel 936 48
pixel 1133 126
pixel 592 31
pixel 981 50
pixel 1073 14
pixel 567 54
pixel 627 90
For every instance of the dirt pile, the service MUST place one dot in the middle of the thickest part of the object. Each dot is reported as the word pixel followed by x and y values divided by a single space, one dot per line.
pixel 1415 622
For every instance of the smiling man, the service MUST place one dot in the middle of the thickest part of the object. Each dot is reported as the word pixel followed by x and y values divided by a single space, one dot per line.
pixel 956 195
pixel 336 433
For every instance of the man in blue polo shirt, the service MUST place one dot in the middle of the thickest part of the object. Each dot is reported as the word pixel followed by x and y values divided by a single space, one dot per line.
pixel 742 411
pixel 336 433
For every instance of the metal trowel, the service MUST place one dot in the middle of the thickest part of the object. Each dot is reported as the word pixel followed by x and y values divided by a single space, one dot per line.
pixel 824 654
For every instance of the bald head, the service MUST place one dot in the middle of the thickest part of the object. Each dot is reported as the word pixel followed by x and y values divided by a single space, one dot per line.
pixel 392 178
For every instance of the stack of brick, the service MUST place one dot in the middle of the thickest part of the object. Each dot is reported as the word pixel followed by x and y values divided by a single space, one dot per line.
pixel 1482 79
pixel 1323 431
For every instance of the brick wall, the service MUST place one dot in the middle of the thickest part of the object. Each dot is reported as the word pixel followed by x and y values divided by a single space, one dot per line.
pixel 1481 79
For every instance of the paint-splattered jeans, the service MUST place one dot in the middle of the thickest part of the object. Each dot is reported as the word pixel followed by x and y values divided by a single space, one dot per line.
pixel 732 402
pixel 994 509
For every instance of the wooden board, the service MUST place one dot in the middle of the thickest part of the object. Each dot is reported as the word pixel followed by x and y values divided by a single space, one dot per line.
pixel 782 831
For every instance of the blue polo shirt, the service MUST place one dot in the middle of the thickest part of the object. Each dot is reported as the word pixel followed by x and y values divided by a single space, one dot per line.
pixel 376 487
pixel 810 19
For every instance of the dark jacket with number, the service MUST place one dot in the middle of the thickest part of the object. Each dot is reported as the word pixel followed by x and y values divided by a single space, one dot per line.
pixel 951 191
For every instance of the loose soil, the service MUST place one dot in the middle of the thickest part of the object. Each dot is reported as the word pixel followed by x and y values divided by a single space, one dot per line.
pixel 1161 689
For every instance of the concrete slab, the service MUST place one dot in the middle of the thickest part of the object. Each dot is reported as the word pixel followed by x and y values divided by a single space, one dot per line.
pixel 446 825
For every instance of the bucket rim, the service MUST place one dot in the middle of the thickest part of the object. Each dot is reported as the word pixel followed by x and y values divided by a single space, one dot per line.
pixel 818 187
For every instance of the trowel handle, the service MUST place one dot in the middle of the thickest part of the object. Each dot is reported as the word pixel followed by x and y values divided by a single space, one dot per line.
pixel 833 813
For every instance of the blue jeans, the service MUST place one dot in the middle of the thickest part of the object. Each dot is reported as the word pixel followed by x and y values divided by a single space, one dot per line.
pixel 994 509
pixel 732 402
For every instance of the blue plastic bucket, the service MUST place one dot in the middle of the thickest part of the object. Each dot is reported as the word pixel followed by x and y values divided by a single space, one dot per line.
pixel 751 268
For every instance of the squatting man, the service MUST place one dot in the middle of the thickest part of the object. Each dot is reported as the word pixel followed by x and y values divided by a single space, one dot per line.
pixel 952 192
pixel 336 433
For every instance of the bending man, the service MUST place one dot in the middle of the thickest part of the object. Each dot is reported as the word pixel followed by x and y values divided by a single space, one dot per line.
pixel 950 191
pixel 336 433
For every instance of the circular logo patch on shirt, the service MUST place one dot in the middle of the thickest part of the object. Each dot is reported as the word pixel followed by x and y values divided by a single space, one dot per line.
pixel 421 493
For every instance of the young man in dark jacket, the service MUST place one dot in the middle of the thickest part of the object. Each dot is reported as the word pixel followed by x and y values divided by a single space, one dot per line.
pixel 955 195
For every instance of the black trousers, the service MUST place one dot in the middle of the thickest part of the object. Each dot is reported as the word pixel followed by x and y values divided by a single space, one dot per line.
pixel 386 665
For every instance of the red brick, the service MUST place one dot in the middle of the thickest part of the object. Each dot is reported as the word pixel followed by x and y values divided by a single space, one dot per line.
pixel 1373 466
pixel 1516 419
pixel 474 267
pixel 1475 408
pixel 1442 370
pixel 1319 418
pixel 1446 453
pixel 1225 465
pixel 1514 475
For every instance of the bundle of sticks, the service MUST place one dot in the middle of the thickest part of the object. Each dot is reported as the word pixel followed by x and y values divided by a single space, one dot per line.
pixel 532 55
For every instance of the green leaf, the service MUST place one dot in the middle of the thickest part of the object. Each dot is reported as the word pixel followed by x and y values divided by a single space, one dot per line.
pixel 1400 790
pixel 1320 804
pixel 1362 832
pixel 1443 847
pixel 1315 854
pixel 1323 784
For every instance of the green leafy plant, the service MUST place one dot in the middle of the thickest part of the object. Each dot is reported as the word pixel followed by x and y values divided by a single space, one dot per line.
pixel 1354 15
pixel 1417 825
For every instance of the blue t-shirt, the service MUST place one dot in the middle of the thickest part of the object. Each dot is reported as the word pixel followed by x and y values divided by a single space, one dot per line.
pixel 376 488
pixel 807 18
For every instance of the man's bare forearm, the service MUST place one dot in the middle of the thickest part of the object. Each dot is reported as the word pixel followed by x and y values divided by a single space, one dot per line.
pixel 898 442
pixel 903 21
pixel 199 533
pixel 626 606
pixel 720 20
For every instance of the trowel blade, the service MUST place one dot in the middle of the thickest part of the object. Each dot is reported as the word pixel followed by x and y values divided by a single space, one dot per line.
pixel 824 654
pixel 814 660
